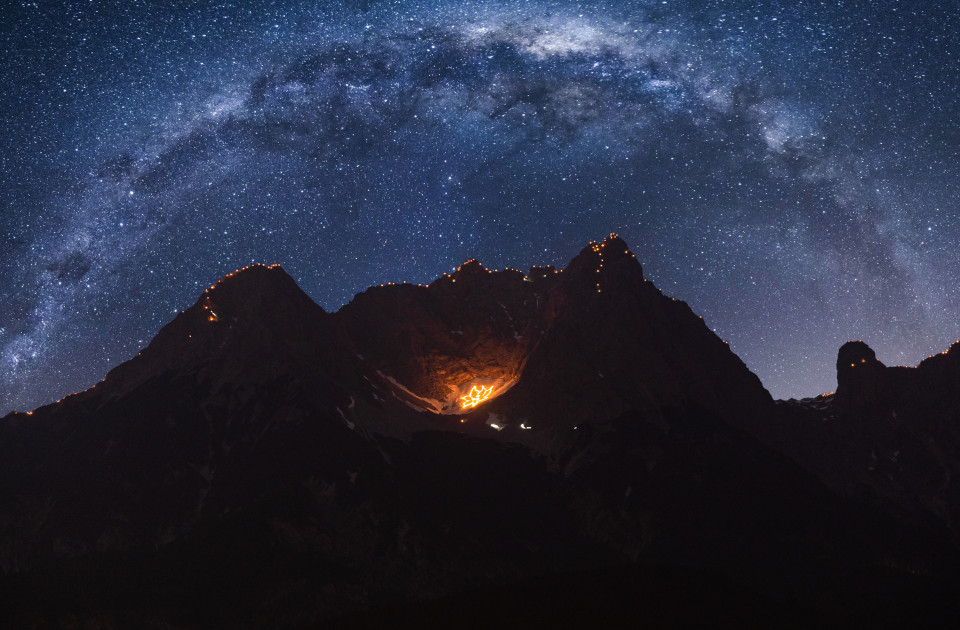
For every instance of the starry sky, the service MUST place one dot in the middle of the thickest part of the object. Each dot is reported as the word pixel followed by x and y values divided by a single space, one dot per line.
pixel 788 168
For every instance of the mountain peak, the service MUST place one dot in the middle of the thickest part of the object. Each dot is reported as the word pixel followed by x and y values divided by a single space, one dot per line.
pixel 254 315
pixel 258 294
pixel 614 248
pixel 253 279
pixel 472 266
pixel 610 248
pixel 607 265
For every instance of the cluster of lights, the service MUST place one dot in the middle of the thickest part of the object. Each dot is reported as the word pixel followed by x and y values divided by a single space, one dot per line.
pixel 475 396
pixel 208 307
pixel 598 249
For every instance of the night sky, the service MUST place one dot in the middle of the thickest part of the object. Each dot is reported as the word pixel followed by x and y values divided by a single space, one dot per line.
pixel 788 168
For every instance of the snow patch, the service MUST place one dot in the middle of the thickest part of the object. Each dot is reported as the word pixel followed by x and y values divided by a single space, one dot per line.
pixel 428 403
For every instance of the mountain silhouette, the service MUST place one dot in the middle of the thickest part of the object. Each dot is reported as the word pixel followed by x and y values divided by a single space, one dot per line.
pixel 560 448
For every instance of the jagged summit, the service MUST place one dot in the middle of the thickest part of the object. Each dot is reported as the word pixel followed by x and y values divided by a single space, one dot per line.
pixel 469 267
pixel 248 273
pixel 611 249
pixel 257 294
pixel 252 323
pixel 608 264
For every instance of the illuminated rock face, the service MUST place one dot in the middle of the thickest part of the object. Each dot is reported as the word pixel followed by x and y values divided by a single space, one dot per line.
pixel 596 331
pixel 473 328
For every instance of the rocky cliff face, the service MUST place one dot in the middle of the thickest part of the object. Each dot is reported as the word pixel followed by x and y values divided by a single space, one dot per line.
pixel 265 463
pixel 888 433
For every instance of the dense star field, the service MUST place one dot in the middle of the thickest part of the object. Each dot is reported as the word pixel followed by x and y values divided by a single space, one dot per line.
pixel 788 168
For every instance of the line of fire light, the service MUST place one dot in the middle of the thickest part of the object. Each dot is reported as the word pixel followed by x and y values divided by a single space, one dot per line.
pixel 592 244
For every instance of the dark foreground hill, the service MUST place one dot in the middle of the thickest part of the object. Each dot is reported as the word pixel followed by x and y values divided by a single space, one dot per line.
pixel 551 449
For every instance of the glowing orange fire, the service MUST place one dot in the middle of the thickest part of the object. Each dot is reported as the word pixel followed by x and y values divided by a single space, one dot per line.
pixel 476 396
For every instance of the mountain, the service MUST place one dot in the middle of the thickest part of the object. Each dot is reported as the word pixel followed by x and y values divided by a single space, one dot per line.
pixel 559 448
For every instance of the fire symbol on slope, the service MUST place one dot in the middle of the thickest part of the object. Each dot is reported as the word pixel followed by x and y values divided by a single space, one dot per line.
pixel 476 396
